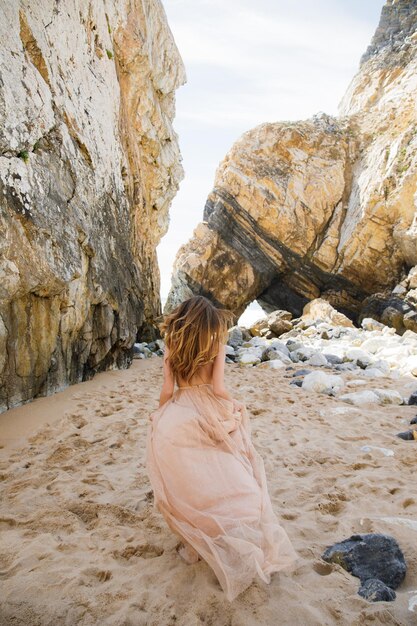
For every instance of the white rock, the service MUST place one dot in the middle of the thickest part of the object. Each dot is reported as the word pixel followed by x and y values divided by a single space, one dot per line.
pixel 372 372
pixel 356 383
pixel 381 365
pixel 388 396
pixel 323 383
pixel 362 358
pixel 374 344
pixel 360 397
pixel 279 345
pixel 302 354
pixel 370 324
pixel 249 357
pixel 318 359
pixel 411 365
pixel 258 341
pixel 274 364
pixel 385 451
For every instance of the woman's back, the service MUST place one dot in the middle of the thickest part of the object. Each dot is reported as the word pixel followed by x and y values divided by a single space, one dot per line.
pixel 203 375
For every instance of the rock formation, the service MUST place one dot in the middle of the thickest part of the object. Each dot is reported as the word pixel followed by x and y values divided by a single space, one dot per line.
pixel 89 163
pixel 319 208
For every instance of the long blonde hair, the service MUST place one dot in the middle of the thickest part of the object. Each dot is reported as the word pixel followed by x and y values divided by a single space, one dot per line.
pixel 193 332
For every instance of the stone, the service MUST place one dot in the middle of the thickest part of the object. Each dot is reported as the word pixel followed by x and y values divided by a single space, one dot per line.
pixel 229 350
pixel 235 337
pixel 360 357
pixel 375 590
pixel 302 354
pixel 368 323
pixel 333 359
pixel 259 327
pixel 249 357
pixel 302 372
pixel 318 359
pixel 279 322
pixel 414 420
pixel 274 364
pixel 279 346
pixel 408 435
pixel 413 398
pixel 320 309
pixel 389 396
pixel 384 451
pixel 370 556
pixel 360 397
pixel 88 171
pixel 323 383
pixel 270 353
pixel 373 372
pixel 321 208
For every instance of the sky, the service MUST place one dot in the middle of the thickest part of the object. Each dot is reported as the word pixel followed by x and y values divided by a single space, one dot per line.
pixel 249 62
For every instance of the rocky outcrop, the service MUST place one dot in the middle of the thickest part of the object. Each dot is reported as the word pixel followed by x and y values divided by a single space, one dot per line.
pixel 89 163
pixel 319 208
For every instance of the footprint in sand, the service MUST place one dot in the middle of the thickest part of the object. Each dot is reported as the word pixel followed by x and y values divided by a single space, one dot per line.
pixel 334 503
pixel 322 568
pixel 144 550
pixel 93 575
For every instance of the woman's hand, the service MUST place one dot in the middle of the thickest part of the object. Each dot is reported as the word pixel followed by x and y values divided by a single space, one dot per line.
pixel 238 406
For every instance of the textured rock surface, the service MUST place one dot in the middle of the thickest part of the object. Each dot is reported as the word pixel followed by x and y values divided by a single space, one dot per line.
pixel 371 556
pixel 323 207
pixel 89 164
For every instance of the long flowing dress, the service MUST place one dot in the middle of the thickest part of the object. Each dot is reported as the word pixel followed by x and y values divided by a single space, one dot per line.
pixel 209 484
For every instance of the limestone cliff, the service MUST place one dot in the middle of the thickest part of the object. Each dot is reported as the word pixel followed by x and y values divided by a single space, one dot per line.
pixel 89 163
pixel 323 207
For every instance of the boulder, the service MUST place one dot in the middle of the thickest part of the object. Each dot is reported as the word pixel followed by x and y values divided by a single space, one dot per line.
pixel 323 383
pixel 389 396
pixel 360 397
pixel 322 310
pixel 371 556
pixel 320 208
pixel 88 170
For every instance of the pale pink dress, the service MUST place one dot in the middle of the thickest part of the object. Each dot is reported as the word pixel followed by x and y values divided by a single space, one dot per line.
pixel 210 486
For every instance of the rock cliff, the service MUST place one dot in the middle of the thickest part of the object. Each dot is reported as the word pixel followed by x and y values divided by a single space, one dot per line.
pixel 89 163
pixel 319 208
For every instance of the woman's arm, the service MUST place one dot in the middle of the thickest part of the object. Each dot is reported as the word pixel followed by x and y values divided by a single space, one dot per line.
pixel 218 375
pixel 168 384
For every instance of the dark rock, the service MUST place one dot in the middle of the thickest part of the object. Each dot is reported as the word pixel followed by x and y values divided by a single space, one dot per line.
pixel 370 556
pixel 376 591
pixel 413 398
pixel 414 420
pixel 296 382
pixel 407 435
pixel 333 359
pixel 302 372
pixel 389 310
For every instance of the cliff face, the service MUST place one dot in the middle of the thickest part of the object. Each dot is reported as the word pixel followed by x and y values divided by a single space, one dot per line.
pixel 89 165
pixel 324 207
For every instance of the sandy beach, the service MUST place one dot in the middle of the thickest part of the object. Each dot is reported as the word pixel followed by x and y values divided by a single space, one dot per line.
pixel 81 543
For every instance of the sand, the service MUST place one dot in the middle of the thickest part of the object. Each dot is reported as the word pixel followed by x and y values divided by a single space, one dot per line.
pixel 82 545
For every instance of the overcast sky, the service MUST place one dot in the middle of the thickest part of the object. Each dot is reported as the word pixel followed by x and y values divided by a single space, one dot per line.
pixel 249 62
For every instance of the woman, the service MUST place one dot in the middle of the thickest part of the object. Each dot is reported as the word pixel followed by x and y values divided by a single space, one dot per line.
pixel 208 480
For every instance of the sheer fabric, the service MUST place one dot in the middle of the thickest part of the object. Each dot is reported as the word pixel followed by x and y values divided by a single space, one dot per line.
pixel 209 484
